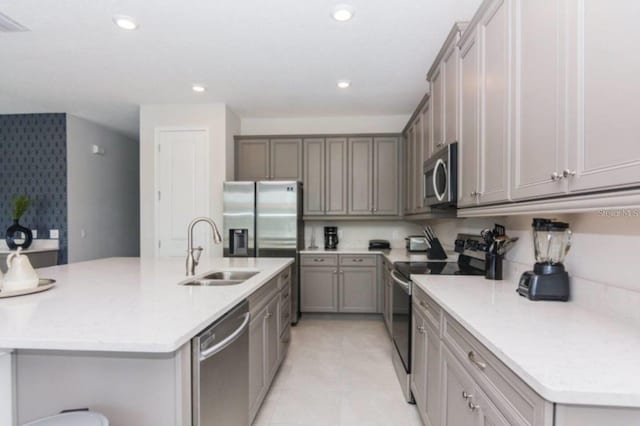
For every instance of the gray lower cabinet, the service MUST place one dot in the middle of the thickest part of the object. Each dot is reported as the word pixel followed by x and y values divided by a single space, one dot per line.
pixel 345 283
pixel 319 289
pixel 358 289
pixel 269 159
pixel 268 336
pixel 457 392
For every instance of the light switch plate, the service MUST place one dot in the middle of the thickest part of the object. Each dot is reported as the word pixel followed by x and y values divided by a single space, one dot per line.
pixel 54 234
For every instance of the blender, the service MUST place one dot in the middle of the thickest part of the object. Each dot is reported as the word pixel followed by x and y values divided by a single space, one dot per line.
pixel 548 280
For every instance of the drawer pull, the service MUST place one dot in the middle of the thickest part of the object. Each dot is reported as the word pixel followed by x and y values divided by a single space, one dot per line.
pixel 318 260
pixel 424 305
pixel 286 277
pixel 473 406
pixel 285 295
pixel 472 357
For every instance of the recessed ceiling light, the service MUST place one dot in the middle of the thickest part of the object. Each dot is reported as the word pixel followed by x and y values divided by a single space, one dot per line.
pixel 125 22
pixel 344 84
pixel 198 88
pixel 343 12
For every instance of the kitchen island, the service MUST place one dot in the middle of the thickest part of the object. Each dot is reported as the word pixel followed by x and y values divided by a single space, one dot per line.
pixel 114 335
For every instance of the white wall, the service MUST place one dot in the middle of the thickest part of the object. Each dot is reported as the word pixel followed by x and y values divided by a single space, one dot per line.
pixel 356 235
pixel 102 192
pixel 603 262
pixel 214 117
pixel 318 125
pixel 232 129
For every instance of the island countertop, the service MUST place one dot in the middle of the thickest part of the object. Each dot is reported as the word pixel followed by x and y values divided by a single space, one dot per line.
pixel 125 304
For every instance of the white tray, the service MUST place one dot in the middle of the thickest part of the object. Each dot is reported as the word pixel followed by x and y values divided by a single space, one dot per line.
pixel 43 285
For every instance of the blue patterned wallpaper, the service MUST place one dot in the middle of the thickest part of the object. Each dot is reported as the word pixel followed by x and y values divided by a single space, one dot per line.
pixel 33 162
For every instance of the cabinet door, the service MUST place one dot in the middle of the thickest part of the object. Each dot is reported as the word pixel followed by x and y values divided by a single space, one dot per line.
pixel 314 177
pixel 418 154
pixel 433 389
pixel 385 175
pixel 469 100
pixel 457 385
pixel 408 172
pixel 494 86
pixel 538 98
pixel 487 412
pixel 418 361
pixel 426 150
pixel 257 370
pixel 252 159
pixel 450 70
pixel 437 103
pixel 604 150
pixel 360 176
pixel 272 338
pixel 318 289
pixel 286 159
pixel 358 289
pixel 336 176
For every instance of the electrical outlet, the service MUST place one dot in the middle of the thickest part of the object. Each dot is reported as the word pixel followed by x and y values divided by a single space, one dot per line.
pixel 54 234
pixel 34 233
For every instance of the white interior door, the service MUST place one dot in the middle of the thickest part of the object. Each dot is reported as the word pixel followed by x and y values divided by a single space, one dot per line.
pixel 182 188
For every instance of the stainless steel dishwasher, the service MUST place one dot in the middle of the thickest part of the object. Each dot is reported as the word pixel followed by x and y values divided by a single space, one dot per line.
pixel 220 371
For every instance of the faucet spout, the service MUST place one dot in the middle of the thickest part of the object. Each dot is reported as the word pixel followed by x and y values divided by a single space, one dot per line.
pixel 193 260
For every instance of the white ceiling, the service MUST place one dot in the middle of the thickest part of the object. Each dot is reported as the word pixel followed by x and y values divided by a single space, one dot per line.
pixel 263 58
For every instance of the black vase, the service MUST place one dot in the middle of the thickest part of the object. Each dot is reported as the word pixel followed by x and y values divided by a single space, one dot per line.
pixel 11 234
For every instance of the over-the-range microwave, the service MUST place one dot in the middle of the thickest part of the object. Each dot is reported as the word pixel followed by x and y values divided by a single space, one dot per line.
pixel 441 178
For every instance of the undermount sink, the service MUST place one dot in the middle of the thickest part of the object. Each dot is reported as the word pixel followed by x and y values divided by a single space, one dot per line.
pixel 222 278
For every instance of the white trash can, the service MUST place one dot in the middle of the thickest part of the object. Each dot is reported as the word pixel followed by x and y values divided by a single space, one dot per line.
pixel 75 418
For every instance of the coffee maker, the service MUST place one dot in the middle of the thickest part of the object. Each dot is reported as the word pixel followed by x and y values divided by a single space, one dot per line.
pixel 548 280
pixel 330 237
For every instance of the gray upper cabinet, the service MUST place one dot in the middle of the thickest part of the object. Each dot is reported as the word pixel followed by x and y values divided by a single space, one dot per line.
pixel 269 159
pixel 538 98
pixel 285 159
pixel 604 97
pixel 252 159
pixel 336 176
pixel 360 176
pixel 443 77
pixel 314 177
pixel 409 166
pixel 385 176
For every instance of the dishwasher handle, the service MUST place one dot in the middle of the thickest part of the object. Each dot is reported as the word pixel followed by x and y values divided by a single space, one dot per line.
pixel 207 353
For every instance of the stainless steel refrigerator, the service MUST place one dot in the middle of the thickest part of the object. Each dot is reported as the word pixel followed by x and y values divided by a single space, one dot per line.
pixel 264 219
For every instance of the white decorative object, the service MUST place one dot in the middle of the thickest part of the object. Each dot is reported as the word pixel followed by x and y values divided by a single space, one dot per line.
pixel 20 274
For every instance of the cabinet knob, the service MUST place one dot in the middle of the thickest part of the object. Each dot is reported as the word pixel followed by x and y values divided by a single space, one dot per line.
pixel 269 315
pixel 568 173
pixel 556 177
pixel 472 406
pixel 466 395
pixel 474 194
pixel 421 329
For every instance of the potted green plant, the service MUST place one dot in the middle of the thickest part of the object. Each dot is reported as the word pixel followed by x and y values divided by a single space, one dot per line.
pixel 19 207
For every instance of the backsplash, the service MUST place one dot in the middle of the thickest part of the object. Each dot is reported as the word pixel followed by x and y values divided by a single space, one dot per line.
pixel 357 234
pixel 602 262
pixel 33 162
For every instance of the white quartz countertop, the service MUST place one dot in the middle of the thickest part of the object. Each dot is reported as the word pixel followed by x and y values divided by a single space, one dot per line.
pixel 568 354
pixel 393 255
pixel 125 304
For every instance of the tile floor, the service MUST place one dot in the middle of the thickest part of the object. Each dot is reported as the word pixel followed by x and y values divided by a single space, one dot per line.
pixel 338 373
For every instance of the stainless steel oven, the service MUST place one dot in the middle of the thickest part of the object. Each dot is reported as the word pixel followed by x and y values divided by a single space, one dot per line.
pixel 401 331
pixel 441 178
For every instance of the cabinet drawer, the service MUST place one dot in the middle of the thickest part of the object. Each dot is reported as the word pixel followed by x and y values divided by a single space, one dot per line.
pixel 285 278
pixel 285 313
pixel 286 291
pixel 319 260
pixel 429 308
pixel 515 399
pixel 262 296
pixel 358 260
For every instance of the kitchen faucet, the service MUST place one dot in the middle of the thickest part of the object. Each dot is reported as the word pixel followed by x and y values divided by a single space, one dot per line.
pixel 192 260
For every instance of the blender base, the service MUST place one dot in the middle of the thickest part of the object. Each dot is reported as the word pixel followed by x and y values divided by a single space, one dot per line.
pixel 554 286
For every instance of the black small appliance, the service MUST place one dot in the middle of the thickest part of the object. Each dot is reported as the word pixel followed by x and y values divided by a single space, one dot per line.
pixel 379 245
pixel 548 280
pixel 331 237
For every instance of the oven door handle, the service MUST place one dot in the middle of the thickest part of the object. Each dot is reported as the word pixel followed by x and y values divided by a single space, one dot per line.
pixel 405 285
